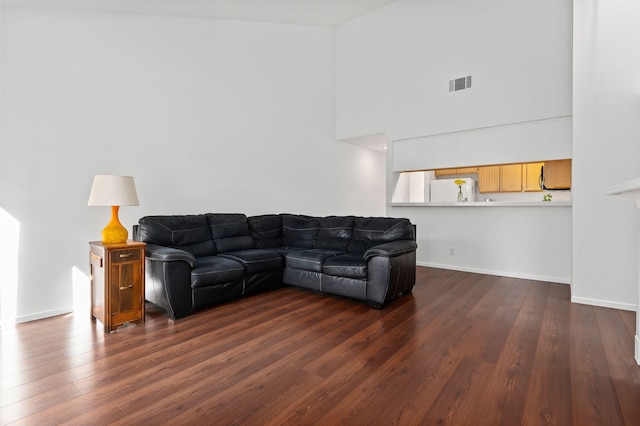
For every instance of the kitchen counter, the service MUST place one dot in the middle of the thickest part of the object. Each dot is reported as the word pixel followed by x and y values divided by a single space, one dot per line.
pixel 489 204
pixel 630 189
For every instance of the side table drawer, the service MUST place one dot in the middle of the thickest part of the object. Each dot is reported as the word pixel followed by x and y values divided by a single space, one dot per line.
pixel 129 255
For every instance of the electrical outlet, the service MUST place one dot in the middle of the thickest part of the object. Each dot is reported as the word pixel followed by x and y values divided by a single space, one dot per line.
pixel 452 251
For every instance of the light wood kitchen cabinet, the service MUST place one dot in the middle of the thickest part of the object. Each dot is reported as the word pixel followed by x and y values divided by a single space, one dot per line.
pixel 489 179
pixel 467 170
pixel 557 174
pixel 523 177
pixel 505 178
pixel 460 171
pixel 531 177
pixel 446 172
pixel 511 178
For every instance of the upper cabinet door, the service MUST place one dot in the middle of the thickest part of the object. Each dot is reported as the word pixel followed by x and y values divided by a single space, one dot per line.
pixel 531 177
pixel 446 172
pixel 557 174
pixel 511 178
pixel 461 171
pixel 489 179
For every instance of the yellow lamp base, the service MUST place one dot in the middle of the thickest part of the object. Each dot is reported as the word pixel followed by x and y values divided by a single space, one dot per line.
pixel 114 232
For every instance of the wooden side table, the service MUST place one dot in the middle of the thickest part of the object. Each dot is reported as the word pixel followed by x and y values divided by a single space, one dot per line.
pixel 117 283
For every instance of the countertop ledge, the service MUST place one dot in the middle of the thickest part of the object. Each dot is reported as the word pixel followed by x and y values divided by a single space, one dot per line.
pixel 630 188
pixel 489 204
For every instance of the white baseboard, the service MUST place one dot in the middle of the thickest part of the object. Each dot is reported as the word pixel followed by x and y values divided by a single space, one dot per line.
pixel 604 303
pixel 581 300
pixel 498 273
pixel 42 315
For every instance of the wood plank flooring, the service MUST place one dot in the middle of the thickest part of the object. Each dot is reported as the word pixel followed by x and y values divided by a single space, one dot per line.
pixel 462 349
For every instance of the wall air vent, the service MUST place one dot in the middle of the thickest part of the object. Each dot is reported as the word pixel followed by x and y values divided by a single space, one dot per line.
pixel 460 84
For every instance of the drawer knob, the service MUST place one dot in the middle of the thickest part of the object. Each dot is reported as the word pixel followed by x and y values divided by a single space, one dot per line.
pixel 126 287
pixel 126 254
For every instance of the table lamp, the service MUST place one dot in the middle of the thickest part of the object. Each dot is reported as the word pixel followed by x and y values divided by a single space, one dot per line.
pixel 114 191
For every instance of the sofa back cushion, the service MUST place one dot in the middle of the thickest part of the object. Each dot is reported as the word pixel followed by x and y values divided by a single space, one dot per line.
pixel 299 231
pixel 335 232
pixel 371 231
pixel 188 232
pixel 266 230
pixel 230 231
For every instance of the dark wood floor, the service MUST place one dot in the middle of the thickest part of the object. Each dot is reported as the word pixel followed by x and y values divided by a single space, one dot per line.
pixel 463 349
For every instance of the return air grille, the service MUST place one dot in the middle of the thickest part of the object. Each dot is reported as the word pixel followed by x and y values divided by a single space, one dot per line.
pixel 460 84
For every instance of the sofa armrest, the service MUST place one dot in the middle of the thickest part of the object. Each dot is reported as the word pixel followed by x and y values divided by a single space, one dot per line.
pixel 168 279
pixel 391 249
pixel 168 254
pixel 390 276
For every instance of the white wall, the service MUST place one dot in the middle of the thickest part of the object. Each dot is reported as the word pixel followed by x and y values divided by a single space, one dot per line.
pixel 532 141
pixel 606 102
pixel 208 116
pixel 393 67
pixel 522 242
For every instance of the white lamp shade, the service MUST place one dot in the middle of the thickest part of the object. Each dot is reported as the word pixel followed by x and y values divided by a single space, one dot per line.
pixel 110 190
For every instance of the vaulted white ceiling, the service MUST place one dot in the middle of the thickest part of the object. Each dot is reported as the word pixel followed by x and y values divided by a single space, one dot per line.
pixel 303 12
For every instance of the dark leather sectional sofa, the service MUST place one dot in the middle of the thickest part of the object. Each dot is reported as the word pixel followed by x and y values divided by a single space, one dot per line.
pixel 195 261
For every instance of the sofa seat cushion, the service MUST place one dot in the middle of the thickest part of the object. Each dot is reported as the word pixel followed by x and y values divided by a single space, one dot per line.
pixel 215 270
pixel 256 260
pixel 310 260
pixel 346 265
